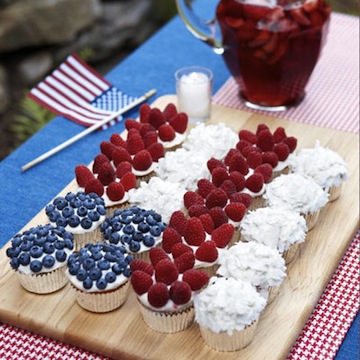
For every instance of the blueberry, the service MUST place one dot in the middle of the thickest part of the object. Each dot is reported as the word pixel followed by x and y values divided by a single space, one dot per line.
pixel 68 211
pixel 156 216
pixel 110 277
pixel 86 223
pixel 26 245
pixel 117 269
pixel 148 241
pixel 89 263
pixel 103 264
pixel 144 227
pixel 126 220
pixel 134 246
pixel 51 238
pixel 144 212
pixel 60 203
pixel 81 275
pixel 129 258
pixel 73 258
pixel 75 203
pixel 16 241
pixel 35 266
pixel 127 272
pixel 59 244
pixel 155 231
pixel 101 284
pixel 73 268
pixel 48 248
pixel 95 274
pixel 82 196
pixel 61 221
pixel 116 226
pixel 150 220
pixel 83 256
pixel 161 225
pixel 114 238
pixel 14 262
pixel 135 209
pixel 128 229
pixel 43 231
pixel 60 255
pixel 70 196
pixel 36 251
pixel 97 256
pixel 89 204
pixel 94 215
pixel 69 244
pixel 137 219
pixel 13 251
pixel 49 209
pixel 104 226
pixel 123 263
pixel 87 283
pixel 137 236
pixel 126 213
pixel 82 211
pixel 53 216
pixel 125 239
pixel 48 261
pixel 110 257
pixel 74 221
pixel 101 209
pixel 24 259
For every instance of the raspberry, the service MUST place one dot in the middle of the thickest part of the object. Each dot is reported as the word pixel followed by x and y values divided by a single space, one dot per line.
pixel 179 122
pixel 185 261
pixel 170 111
pixel 166 272
pixel 132 132
pixel 150 138
pixel 156 255
pixel 122 169
pixel 166 132
pixel 218 176
pixel 192 198
pixel 291 142
pixel 218 216
pixel 248 136
pixel 246 199
pixel 156 151
pixel 144 113
pixel 117 140
pixel 261 127
pixel 132 124
pixel 238 163
pixel 217 197
pixel 269 157
pixel 140 281
pixel 266 171
pixel 156 118
pixel 238 179
pixel 170 237
pixel 135 144
pixel 265 140
pixel 196 210
pixel 207 222
pixel 119 155
pixel 106 174
pixel 94 186
pixel 178 221
pixel 235 211
pixel 249 149
pixel 204 187
pixel 142 265
pixel 228 186
pixel 197 279
pixel 180 248
pixel 229 155
pixel 115 191
pixel 180 292
pixel 282 151
pixel 242 144
pixel 207 252
pixel 222 235
pixel 255 182
pixel 83 175
pixel 194 233
pixel 128 181
pixel 254 159
pixel 145 128
pixel 279 134
pixel 213 163
pixel 98 161
pixel 107 148
pixel 142 160
pixel 158 295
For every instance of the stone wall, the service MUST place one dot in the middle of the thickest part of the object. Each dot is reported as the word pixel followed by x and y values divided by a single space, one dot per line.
pixel 37 35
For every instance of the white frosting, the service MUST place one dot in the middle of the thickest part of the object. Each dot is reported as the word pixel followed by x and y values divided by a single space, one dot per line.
pixel 163 197
pixel 228 305
pixel 295 192
pixel 149 170
pixel 255 263
pixel 80 230
pixel 326 167
pixel 276 228
pixel 179 138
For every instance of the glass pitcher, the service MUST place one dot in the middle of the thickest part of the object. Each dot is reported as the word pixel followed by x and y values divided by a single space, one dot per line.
pixel 269 46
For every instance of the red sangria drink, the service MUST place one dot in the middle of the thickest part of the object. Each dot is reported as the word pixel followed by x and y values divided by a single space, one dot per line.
pixel 271 47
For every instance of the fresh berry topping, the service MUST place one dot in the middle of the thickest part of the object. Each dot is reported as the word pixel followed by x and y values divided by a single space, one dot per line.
pixel 156 118
pixel 98 161
pixel 119 155
pixel 178 221
pixel 94 186
pixel 217 197
pixel 107 148
pixel 238 163
pixel 115 191
pixel 156 255
pixel 196 210
pixel 122 168
pixel 142 160
pixel 291 142
pixel 117 140
pixel 145 128
pixel 180 248
pixel 170 111
pixel 135 144
pixel 166 132
pixel 261 127
pixel 132 132
pixel 194 233
pixel 207 222
pixel 229 155
pixel 282 151
pixel 248 136
pixel 204 186
pixel 128 181
pixel 207 252
pixel 150 138
pixel 158 295
pixel 228 186
pixel 180 292
pixel 235 211
pixel 170 238
pixel 218 216
pixel 213 163
pixel 156 151
pixel 238 179
pixel 132 124
pixel 269 157
pixel 219 175
pixel 140 281
pixel 179 122
pixel 255 182
pixel 83 175
pixel 197 279
pixel 279 134
pixel 246 199
pixel 254 159
pixel 144 113
pixel 166 272
pixel 192 198
pixel 265 140
pixel 185 261
pixel 222 235
pixel 106 174
pixel 266 171
pixel 142 265
pixel 243 144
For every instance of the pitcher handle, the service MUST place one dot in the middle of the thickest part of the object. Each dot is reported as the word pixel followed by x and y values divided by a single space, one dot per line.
pixel 205 30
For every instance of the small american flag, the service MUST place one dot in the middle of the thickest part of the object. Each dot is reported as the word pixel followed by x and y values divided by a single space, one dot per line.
pixel 77 92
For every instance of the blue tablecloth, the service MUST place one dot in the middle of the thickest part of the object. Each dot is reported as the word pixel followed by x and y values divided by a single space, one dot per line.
pixel 23 195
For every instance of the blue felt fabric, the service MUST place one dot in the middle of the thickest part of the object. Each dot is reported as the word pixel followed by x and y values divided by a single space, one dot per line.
pixel 23 195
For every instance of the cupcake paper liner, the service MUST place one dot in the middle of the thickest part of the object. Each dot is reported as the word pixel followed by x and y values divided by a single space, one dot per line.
pixel 334 192
pixel 80 240
pixel 290 253
pixel 110 210
pixel 273 292
pixel 311 219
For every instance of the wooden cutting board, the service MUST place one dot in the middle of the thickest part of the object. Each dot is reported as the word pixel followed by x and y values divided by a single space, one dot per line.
pixel 122 334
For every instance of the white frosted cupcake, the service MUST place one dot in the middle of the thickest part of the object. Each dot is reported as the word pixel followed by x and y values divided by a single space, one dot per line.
pixel 326 167
pixel 39 256
pixel 99 275
pixel 257 264
pixel 280 229
pixel 227 311
pixel 298 193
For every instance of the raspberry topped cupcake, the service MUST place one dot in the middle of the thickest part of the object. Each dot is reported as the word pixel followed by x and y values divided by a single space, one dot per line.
pixel 137 229
pixel 80 214
pixel 39 257
pixel 99 275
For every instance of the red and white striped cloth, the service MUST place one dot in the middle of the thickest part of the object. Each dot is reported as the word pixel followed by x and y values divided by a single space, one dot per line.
pixel 332 94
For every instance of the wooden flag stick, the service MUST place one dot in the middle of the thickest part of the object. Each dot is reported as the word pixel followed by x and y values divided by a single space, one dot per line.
pixel 88 130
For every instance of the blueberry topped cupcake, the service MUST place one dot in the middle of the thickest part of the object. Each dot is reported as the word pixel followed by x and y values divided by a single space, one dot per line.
pixel 39 257
pixel 79 213
pixel 99 275
pixel 137 229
